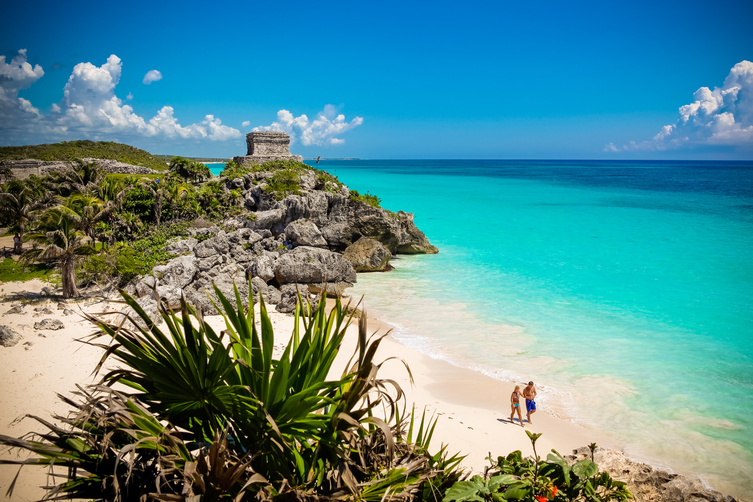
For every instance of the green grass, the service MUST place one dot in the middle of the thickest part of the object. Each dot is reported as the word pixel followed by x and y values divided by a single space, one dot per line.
pixel 13 270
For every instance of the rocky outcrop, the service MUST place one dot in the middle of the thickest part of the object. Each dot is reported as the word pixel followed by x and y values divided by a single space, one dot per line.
pixel 313 265
pixel 649 484
pixel 305 243
pixel 368 255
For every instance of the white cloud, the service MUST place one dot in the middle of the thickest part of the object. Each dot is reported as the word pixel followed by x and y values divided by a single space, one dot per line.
pixel 723 116
pixel 90 106
pixel 320 131
pixel 17 75
pixel 246 123
pixel 152 76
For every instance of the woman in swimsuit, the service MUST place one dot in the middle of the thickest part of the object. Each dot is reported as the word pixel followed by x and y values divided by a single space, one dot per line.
pixel 515 405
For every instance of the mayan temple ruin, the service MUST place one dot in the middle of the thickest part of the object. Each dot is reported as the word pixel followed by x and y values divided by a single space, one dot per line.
pixel 264 146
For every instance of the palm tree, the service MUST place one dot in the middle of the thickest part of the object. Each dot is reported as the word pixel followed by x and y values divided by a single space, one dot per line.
pixel 62 242
pixel 17 207
pixel 159 193
pixel 91 210
pixel 79 177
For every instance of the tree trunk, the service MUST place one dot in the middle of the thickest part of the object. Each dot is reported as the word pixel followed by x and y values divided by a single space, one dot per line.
pixel 68 275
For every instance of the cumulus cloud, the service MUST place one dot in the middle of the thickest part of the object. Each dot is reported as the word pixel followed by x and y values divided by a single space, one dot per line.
pixel 723 116
pixel 90 106
pixel 246 123
pixel 320 131
pixel 14 76
pixel 152 76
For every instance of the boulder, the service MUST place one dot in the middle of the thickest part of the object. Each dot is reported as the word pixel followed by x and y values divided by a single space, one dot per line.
pixel 8 336
pixel 368 255
pixel 261 266
pixel 212 246
pixel 333 289
pixel 289 297
pixel 18 309
pixel 269 219
pixel 51 324
pixel 306 264
pixel 145 285
pixel 181 246
pixel 176 273
pixel 305 233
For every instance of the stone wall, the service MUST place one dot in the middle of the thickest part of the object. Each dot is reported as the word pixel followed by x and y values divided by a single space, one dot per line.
pixel 22 169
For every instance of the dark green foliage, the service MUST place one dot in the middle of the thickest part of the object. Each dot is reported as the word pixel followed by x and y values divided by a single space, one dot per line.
pixel 366 198
pixel 282 183
pixel 188 169
pixel 534 480
pixel 139 200
pixel 73 150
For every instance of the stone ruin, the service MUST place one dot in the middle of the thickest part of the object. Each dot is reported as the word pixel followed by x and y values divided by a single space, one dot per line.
pixel 264 146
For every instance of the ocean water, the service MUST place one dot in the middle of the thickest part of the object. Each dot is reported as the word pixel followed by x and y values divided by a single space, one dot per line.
pixel 623 289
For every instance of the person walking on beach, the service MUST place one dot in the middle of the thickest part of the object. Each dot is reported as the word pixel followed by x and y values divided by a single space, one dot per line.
pixel 530 394
pixel 515 406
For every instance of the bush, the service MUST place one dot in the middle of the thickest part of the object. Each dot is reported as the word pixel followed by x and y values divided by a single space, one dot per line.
pixel 532 479
pixel 283 183
pixel 366 198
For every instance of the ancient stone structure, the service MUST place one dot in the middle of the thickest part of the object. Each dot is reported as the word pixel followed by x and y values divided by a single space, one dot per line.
pixel 22 169
pixel 263 146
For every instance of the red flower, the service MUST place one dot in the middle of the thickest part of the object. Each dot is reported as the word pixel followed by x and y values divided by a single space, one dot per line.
pixel 540 498
pixel 554 491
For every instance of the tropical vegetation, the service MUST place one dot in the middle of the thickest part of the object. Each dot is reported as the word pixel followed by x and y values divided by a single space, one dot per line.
pixel 196 414
pixel 206 415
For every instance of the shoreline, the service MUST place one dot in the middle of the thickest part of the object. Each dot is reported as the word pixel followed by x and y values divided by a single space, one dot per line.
pixel 472 409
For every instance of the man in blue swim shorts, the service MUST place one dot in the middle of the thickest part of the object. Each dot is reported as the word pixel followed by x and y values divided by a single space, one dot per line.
pixel 530 394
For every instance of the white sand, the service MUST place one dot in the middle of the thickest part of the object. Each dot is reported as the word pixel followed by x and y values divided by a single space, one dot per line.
pixel 473 410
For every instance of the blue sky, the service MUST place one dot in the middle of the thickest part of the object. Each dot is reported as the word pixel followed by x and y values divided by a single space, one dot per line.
pixel 615 80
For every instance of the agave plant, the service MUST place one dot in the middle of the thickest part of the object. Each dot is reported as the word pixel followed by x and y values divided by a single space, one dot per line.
pixel 259 425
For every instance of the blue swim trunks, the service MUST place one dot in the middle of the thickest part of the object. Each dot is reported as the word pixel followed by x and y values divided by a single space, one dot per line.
pixel 530 405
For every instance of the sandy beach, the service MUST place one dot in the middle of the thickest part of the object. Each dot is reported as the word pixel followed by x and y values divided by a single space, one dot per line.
pixel 472 410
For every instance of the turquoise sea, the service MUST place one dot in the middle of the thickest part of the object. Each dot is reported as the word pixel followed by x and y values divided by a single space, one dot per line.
pixel 623 289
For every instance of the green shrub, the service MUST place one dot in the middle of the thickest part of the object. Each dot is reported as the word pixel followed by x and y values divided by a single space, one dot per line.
pixel 532 479
pixel 283 183
pixel 366 198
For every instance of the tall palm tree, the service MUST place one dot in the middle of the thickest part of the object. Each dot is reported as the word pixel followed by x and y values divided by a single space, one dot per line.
pixel 62 242
pixel 92 210
pixel 159 194
pixel 80 177
pixel 17 207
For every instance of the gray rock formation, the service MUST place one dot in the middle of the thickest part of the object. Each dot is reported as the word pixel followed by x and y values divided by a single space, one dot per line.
pixel 8 336
pixel 649 484
pixel 51 324
pixel 295 240
pixel 263 146
pixel 313 265
pixel 304 232
pixel 368 255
